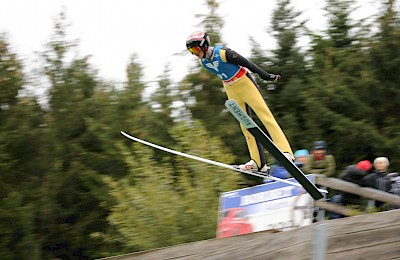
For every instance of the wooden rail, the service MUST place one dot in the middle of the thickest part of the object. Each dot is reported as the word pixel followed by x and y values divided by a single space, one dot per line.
pixel 341 185
pixel 365 192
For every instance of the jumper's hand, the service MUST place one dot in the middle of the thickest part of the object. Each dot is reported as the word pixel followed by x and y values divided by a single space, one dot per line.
pixel 274 77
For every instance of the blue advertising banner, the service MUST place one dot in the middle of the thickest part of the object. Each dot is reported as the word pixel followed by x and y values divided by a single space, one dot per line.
pixel 273 205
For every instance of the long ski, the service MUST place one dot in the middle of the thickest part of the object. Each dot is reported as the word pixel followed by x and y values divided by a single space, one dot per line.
pixel 219 164
pixel 268 144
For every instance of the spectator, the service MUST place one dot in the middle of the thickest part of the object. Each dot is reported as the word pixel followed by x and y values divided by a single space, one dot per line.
pixel 395 179
pixel 381 179
pixel 356 173
pixel 278 171
pixel 320 162
pixel 378 179
pixel 301 158
pixel 353 174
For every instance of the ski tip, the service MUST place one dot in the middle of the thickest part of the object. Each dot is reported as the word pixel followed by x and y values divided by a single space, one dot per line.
pixel 229 102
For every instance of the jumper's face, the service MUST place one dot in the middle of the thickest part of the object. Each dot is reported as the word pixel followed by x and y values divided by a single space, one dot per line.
pixel 196 50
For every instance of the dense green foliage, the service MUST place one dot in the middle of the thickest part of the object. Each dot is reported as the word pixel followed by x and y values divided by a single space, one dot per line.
pixel 71 186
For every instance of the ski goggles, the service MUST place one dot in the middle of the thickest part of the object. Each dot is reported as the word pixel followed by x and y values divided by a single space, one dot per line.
pixel 195 50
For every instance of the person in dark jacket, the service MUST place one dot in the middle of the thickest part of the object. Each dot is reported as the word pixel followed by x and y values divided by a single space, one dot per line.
pixel 380 178
pixel 353 174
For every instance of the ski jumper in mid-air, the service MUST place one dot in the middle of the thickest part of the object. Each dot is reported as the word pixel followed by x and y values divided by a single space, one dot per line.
pixel 240 86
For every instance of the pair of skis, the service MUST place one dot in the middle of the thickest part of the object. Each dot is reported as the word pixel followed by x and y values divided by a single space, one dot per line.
pixel 261 137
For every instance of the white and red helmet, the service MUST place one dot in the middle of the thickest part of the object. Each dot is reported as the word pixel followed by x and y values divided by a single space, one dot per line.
pixel 198 39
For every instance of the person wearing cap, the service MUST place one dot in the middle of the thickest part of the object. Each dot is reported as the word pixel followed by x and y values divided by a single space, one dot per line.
pixel 301 158
pixel 233 70
pixel 320 162
pixel 354 174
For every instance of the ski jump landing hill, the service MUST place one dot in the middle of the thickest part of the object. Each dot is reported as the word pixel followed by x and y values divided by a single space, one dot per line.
pixel 370 236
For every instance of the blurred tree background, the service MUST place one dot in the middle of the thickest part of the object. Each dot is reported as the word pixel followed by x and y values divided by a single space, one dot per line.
pixel 71 187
